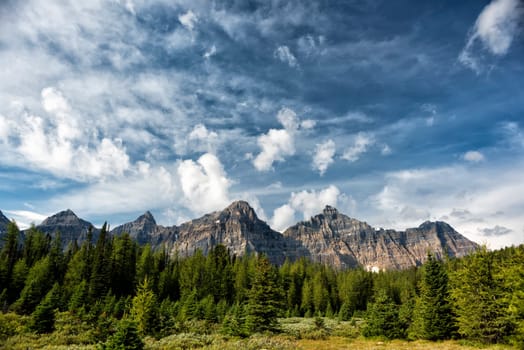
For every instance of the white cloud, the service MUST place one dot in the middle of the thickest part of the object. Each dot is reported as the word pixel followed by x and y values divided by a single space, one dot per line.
pixel 59 145
pixel 473 156
pixel 308 124
pixel 200 138
pixel 360 145
pixel 188 20
pixel 495 28
pixel 487 198
pixel 204 184
pixel 25 218
pixel 309 203
pixel 211 52
pixel 323 156
pixel 288 118
pixel 283 217
pixel 147 187
pixel 277 143
pixel 284 54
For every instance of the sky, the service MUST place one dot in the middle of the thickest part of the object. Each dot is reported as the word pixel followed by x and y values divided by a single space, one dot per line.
pixel 393 112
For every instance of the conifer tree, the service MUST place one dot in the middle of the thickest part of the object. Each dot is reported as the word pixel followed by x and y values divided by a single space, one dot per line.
pixel 433 316
pixel 144 308
pixel 478 294
pixel 265 298
pixel 125 338
pixel 382 318
pixel 100 273
pixel 43 318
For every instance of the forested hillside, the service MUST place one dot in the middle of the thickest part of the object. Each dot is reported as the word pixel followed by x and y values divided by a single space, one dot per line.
pixel 114 291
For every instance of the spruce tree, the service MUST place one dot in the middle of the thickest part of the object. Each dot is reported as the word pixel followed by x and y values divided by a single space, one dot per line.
pixel 125 338
pixel 265 298
pixel 382 319
pixel 43 318
pixel 478 294
pixel 433 316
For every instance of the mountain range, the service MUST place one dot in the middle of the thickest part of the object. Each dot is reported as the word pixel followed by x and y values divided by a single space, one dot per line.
pixel 330 237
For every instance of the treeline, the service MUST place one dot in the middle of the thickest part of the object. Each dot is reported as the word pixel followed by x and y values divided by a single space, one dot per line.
pixel 114 283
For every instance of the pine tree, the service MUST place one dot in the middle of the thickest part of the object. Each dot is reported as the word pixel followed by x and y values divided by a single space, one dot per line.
pixel 144 308
pixel 43 318
pixel 37 284
pixel 478 294
pixel 125 338
pixel 100 273
pixel 382 318
pixel 265 298
pixel 433 318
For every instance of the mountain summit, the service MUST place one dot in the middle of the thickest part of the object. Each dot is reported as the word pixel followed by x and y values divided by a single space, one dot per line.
pixel 330 237
pixel 70 226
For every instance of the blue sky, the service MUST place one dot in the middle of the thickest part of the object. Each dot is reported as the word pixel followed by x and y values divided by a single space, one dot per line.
pixel 394 112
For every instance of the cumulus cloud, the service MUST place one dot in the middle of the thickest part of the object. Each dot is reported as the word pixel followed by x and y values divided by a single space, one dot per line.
pixel 188 20
pixel 278 143
pixel 284 54
pixel 204 184
pixel 360 145
pixel 323 157
pixel 308 204
pixel 473 156
pixel 146 187
pixel 200 138
pixel 56 143
pixel 283 217
pixel 494 29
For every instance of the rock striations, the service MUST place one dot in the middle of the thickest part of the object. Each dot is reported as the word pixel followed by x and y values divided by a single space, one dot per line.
pixel 338 240
pixel 330 237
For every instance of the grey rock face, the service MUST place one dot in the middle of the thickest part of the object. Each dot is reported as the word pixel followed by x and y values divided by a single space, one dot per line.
pixel 141 229
pixel 70 226
pixel 238 228
pixel 340 241
pixel 330 238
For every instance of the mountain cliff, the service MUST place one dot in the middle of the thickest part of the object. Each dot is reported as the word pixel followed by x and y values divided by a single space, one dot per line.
pixel 330 238
pixel 339 240
pixel 238 228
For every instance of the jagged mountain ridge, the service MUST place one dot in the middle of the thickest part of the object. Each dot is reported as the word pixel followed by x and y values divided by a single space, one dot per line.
pixel 330 237
pixel 339 240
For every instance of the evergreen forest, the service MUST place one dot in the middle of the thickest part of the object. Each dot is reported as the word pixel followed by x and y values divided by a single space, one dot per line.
pixel 114 294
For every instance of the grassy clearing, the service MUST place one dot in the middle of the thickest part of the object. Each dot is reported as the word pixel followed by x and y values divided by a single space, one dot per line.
pixel 297 333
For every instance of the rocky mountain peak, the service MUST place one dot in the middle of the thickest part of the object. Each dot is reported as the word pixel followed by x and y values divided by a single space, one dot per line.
pixel 66 217
pixel 241 210
pixel 330 212
pixel 147 217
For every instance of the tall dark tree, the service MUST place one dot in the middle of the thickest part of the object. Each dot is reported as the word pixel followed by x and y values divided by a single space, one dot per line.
pixel 433 316
pixel 382 318
pixel 478 294
pixel 265 298
pixel 100 273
